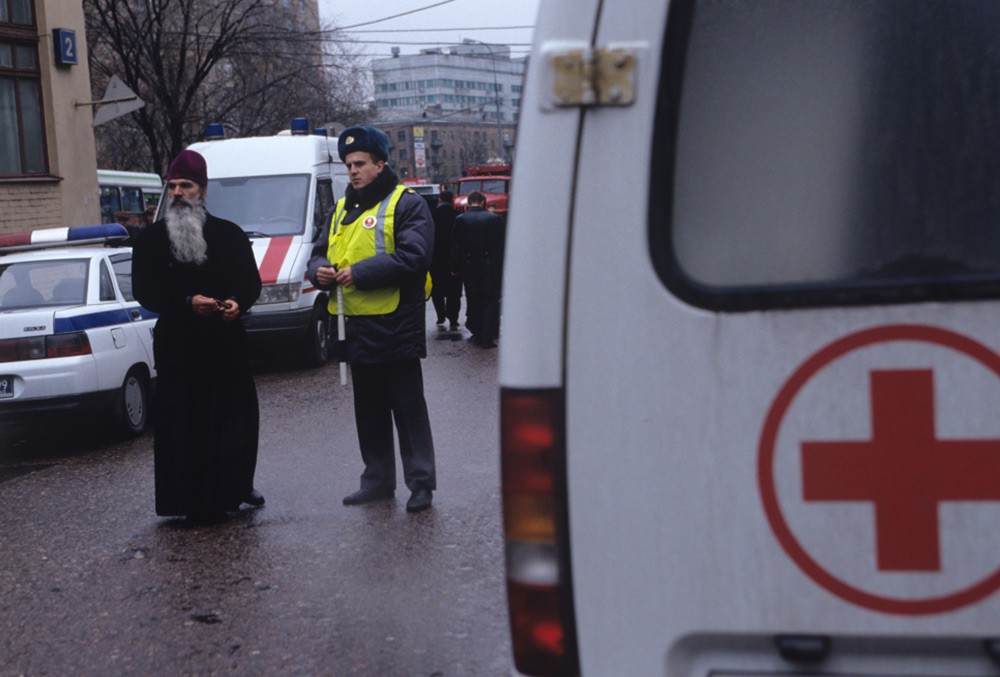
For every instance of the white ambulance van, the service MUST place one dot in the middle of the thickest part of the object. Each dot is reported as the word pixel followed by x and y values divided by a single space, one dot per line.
pixel 278 189
pixel 750 350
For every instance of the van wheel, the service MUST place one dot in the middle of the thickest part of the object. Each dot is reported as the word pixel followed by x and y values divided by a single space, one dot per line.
pixel 317 348
pixel 132 404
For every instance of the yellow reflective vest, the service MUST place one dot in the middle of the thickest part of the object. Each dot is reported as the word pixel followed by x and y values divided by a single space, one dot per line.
pixel 371 233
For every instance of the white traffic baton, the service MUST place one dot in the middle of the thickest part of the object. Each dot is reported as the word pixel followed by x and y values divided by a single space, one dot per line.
pixel 341 336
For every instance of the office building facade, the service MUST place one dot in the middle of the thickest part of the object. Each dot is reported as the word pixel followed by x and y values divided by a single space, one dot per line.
pixel 449 108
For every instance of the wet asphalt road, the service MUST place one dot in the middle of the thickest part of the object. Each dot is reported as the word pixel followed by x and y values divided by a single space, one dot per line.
pixel 92 582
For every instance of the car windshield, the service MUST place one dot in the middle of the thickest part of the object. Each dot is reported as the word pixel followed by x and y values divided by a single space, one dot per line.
pixel 261 205
pixel 36 284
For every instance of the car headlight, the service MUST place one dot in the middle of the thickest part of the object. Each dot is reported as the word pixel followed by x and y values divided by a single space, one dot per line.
pixel 280 293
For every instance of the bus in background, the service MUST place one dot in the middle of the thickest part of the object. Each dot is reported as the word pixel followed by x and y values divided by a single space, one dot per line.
pixel 125 195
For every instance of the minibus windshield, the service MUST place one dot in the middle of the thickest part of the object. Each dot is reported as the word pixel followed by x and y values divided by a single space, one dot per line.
pixel 261 205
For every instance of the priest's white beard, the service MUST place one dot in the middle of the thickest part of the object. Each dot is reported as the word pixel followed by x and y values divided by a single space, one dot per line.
pixel 185 224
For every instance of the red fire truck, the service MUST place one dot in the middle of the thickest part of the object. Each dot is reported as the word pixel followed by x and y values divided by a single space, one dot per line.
pixel 493 181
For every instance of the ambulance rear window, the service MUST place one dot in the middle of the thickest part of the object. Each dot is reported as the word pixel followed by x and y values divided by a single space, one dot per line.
pixel 830 152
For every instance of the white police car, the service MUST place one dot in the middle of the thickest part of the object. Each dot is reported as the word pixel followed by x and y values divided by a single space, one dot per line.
pixel 72 336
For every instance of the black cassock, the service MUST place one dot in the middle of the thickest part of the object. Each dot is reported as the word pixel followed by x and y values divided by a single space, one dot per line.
pixel 206 418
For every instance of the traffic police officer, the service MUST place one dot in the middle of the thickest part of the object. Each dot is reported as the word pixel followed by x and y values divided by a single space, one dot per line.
pixel 377 247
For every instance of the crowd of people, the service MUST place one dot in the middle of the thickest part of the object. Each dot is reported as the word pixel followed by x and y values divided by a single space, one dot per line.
pixel 382 254
pixel 468 254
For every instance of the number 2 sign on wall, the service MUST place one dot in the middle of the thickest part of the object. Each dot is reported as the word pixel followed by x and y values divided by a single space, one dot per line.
pixel 64 44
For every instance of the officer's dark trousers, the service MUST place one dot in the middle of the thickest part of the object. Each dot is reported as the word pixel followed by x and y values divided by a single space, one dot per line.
pixel 384 393
pixel 446 294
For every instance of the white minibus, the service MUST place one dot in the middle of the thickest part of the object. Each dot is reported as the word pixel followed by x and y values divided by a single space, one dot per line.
pixel 279 189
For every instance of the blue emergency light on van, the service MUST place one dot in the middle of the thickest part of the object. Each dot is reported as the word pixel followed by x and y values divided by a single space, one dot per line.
pixel 215 131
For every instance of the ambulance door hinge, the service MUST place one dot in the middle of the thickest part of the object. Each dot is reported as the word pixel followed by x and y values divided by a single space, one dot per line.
pixel 597 76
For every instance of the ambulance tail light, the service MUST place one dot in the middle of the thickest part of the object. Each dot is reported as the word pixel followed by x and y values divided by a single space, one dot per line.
pixel 536 531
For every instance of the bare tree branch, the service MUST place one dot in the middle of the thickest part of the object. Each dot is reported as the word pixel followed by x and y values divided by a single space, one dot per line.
pixel 249 64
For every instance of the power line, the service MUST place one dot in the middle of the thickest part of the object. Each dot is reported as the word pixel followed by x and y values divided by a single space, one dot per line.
pixel 396 16
pixel 433 44
pixel 441 30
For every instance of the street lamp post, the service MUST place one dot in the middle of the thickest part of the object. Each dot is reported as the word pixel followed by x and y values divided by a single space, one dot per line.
pixel 496 95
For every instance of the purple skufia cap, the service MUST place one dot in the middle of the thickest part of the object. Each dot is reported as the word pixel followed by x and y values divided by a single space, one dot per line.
pixel 189 165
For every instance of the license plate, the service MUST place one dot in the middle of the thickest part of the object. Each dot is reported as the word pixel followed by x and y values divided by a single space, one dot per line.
pixel 6 387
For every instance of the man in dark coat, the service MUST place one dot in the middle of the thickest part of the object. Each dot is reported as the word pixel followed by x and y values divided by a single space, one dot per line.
pixel 198 272
pixel 447 292
pixel 478 255
pixel 377 248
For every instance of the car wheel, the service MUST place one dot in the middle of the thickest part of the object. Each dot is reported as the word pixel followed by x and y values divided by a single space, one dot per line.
pixel 317 349
pixel 132 408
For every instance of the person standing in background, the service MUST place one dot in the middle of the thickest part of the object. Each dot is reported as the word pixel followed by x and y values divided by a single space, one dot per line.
pixel 478 255
pixel 447 292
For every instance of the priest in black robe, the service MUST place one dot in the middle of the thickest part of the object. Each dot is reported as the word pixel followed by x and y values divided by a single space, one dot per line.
pixel 198 272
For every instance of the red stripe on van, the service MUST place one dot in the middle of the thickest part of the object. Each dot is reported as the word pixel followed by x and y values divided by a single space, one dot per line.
pixel 273 258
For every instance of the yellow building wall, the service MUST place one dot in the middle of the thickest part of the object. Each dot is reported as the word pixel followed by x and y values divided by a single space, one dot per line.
pixel 69 196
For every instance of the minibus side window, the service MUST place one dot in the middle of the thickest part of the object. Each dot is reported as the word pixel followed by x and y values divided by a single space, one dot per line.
pixel 324 204
pixel 830 152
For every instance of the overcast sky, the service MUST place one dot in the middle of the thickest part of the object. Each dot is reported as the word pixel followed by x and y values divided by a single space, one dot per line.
pixel 484 20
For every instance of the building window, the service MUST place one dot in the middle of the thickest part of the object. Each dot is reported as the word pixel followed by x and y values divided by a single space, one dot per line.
pixel 22 135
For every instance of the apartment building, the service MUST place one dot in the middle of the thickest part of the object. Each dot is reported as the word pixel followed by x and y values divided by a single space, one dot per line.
pixel 448 108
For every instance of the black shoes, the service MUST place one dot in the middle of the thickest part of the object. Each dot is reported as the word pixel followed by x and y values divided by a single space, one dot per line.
pixel 368 495
pixel 419 500
pixel 255 499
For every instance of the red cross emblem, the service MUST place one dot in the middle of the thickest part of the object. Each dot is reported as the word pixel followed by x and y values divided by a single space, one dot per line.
pixel 899 517
pixel 369 222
